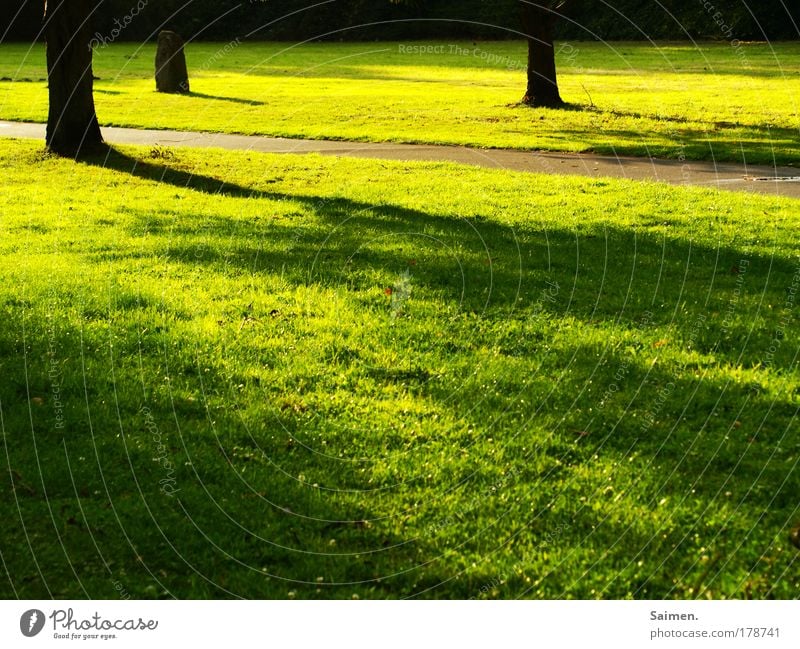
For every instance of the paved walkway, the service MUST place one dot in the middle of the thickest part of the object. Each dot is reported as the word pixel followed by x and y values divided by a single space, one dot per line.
pixel 778 181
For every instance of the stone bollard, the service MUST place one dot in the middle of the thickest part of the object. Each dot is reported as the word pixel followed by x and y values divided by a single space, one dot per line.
pixel 171 73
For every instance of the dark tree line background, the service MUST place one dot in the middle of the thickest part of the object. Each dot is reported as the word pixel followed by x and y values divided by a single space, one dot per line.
pixel 20 20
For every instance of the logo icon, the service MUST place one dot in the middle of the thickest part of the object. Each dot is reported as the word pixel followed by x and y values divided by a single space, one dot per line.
pixel 31 622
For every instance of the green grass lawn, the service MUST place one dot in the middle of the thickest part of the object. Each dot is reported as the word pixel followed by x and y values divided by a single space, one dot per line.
pixel 712 102
pixel 230 374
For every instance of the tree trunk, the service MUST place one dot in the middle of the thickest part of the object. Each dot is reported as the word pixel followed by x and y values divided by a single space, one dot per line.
pixel 171 73
pixel 71 122
pixel 539 25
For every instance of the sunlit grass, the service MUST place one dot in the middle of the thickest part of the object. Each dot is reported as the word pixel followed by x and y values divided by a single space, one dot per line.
pixel 671 100
pixel 278 376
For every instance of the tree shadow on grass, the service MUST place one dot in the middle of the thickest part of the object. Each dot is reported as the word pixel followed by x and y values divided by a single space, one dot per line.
pixel 605 274
pixel 109 157
pixel 634 114
pixel 234 100
pixel 762 145
pixel 606 277
pixel 94 514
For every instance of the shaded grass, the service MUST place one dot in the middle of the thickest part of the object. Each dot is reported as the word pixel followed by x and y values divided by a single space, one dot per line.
pixel 230 374
pixel 709 102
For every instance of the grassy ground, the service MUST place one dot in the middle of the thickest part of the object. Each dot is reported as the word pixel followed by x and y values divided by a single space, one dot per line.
pixel 274 376
pixel 671 100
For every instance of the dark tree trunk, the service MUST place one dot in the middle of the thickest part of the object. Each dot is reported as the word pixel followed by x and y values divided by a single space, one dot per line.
pixel 171 73
pixel 71 122
pixel 539 24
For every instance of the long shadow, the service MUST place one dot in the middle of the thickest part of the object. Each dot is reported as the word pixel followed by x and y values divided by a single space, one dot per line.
pixel 109 157
pixel 607 275
pixel 234 100
pixel 613 274
pixel 697 143
pixel 91 514
pixel 636 115
pixel 642 282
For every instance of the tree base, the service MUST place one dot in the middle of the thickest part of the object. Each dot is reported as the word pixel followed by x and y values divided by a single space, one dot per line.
pixel 71 141
pixel 76 151
pixel 537 101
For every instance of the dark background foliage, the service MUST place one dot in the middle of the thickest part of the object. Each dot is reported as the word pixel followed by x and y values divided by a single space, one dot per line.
pixel 297 20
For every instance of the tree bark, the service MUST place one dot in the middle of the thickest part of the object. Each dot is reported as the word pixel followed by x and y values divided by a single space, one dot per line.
pixel 539 25
pixel 71 122
pixel 171 73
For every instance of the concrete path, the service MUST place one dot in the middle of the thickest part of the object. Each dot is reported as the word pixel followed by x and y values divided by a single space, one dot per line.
pixel 778 181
